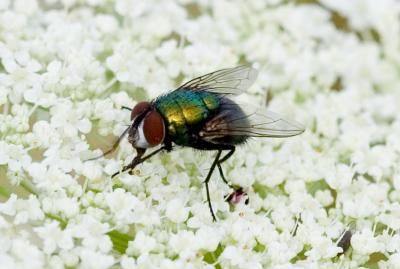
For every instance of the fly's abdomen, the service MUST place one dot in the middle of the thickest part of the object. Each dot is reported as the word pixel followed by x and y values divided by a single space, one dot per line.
pixel 183 111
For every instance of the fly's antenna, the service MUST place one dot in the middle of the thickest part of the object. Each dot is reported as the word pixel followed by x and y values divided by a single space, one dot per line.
pixel 127 108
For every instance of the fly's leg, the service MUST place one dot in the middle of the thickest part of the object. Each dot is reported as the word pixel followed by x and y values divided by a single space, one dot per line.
pixel 223 176
pixel 152 154
pixel 138 159
pixel 228 155
pixel 215 162
pixel 114 146
pixel 237 190
pixel 223 159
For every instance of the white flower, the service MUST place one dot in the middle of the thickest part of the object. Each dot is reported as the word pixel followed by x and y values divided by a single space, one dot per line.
pixel 49 178
pixel 393 260
pixel 68 120
pixel 184 244
pixel 14 156
pixel 4 4
pixel 176 211
pixel 133 70
pixel 241 177
pixel 127 208
pixel 61 205
pixel 127 262
pixel 36 95
pixel 22 254
pixel 54 237
pixel 26 7
pixel 106 23
pixel 341 177
pixel 22 210
pixel 374 162
pixel 93 234
pixel 201 215
pixel 96 260
pixel 323 248
pixel 208 237
pixel 240 258
pixel 365 242
pixel 391 242
pixel 21 71
pixel 92 171
pixel 169 54
pixel 324 197
pixel 142 244
pixel 46 134
pixel 391 216
pixel 131 7
pixel 4 153
pixel 70 258
pixel 371 12
pixel 9 207
pixel 363 199
pixel 121 99
pixel 67 67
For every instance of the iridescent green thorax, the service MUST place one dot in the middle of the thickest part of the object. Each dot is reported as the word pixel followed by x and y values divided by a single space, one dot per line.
pixel 183 110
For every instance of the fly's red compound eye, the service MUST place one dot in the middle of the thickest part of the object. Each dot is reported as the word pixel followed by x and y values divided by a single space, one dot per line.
pixel 153 128
pixel 139 108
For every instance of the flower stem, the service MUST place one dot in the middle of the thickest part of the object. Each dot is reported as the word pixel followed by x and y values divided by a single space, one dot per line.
pixel 29 187
pixel 4 192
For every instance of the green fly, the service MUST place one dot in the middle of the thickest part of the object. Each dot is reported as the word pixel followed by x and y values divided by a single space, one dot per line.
pixel 201 114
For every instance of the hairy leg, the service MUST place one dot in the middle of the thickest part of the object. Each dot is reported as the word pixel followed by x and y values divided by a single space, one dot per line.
pixel 215 162
pixel 138 159
pixel 223 159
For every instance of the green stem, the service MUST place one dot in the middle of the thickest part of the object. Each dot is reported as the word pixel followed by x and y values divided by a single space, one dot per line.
pixel 62 222
pixel 29 187
pixel 5 192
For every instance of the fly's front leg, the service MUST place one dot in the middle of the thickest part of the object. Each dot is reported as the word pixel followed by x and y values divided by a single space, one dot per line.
pixel 138 159
pixel 114 146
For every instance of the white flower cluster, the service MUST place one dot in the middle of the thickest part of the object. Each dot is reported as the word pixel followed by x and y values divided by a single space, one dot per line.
pixel 67 67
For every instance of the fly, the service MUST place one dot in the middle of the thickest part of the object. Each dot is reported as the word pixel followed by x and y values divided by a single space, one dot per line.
pixel 201 114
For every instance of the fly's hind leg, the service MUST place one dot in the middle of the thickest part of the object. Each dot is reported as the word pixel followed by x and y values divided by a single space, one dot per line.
pixel 215 162
pixel 237 191
pixel 223 159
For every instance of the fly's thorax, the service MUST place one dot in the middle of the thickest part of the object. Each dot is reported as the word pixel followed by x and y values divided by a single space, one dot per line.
pixel 184 109
pixel 148 128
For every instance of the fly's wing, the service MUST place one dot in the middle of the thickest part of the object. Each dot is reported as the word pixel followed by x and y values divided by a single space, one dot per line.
pixel 247 120
pixel 225 81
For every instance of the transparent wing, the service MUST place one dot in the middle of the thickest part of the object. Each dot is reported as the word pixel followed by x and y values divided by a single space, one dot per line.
pixel 250 121
pixel 225 81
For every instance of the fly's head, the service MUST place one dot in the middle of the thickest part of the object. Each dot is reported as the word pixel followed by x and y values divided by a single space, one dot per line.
pixel 147 126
